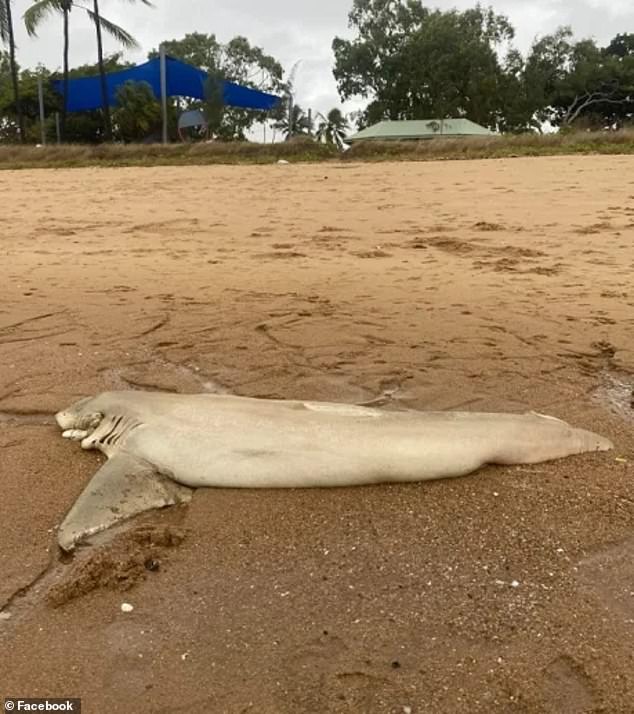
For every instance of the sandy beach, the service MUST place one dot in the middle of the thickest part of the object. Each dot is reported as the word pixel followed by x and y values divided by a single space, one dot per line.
pixel 484 285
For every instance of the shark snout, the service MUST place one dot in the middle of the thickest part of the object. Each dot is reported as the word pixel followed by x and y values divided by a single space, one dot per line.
pixel 65 420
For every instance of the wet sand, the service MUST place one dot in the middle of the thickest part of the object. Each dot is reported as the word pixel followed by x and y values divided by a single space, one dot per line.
pixel 484 285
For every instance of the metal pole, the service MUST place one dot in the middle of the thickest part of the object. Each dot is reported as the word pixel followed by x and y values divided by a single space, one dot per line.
pixel 40 95
pixel 58 128
pixel 163 64
pixel 290 116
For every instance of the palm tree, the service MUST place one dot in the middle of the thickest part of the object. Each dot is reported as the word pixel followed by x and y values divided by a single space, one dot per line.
pixel 125 38
pixel 41 8
pixel 297 124
pixel 32 18
pixel 332 128
pixel 7 37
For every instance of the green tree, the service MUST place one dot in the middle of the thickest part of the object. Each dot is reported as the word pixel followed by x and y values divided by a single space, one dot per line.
pixel 9 130
pixel 621 46
pixel 414 63
pixel 42 8
pixel 295 123
pixel 137 115
pixel 529 85
pixel 236 61
pixel 517 111
pixel 29 99
pixel 32 18
pixel 7 37
pixel 620 52
pixel 214 107
pixel 332 128
pixel 124 38
pixel 578 82
pixel 88 127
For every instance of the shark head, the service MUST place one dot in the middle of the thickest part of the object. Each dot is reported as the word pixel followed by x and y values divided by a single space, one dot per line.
pixel 79 420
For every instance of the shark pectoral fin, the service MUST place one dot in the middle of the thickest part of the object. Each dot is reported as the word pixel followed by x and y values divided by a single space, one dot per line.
pixel 123 487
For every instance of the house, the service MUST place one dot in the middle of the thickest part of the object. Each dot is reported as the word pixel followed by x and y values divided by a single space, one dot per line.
pixel 420 129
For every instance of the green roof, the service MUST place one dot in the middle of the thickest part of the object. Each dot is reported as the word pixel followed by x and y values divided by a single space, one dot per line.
pixel 420 129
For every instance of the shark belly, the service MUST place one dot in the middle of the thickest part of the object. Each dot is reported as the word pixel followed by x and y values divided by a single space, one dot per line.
pixel 313 454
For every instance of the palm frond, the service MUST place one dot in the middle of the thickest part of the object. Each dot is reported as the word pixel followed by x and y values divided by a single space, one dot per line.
pixel 37 12
pixel 4 21
pixel 115 31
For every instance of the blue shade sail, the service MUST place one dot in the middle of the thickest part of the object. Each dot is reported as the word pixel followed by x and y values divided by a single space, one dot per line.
pixel 183 80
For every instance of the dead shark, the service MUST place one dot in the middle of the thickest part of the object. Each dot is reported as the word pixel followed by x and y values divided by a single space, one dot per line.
pixel 160 446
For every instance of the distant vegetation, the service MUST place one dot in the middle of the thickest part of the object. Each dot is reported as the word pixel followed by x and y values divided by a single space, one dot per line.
pixel 306 150
pixel 509 146
pixel 232 152
pixel 413 62
pixel 236 61
pixel 406 60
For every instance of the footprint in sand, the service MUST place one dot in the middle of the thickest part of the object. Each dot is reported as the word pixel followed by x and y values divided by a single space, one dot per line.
pixel 567 689
pixel 375 253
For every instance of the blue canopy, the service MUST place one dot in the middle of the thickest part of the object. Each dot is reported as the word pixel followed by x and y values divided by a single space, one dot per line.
pixel 183 80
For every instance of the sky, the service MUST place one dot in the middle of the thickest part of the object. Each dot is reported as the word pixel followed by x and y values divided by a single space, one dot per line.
pixel 293 30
